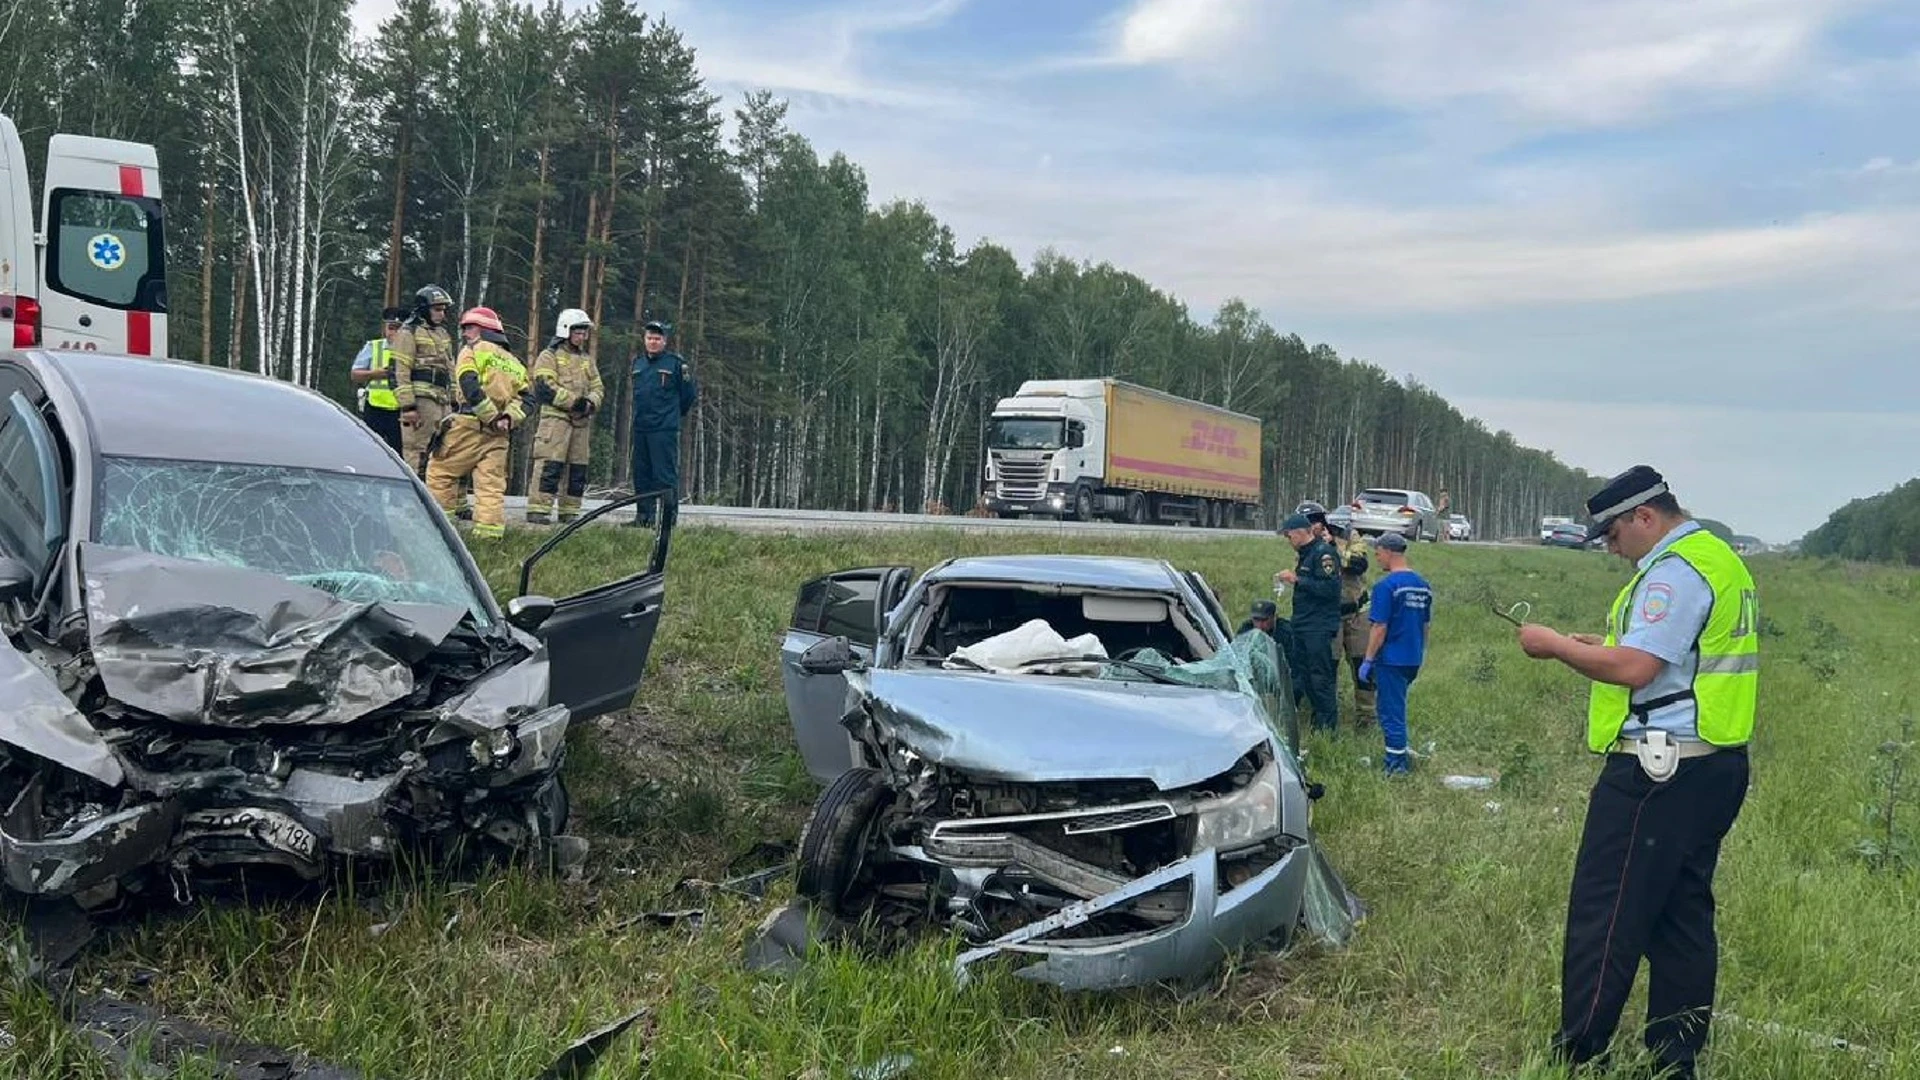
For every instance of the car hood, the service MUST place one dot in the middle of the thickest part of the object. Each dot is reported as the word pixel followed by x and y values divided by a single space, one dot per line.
pixel 1032 728
pixel 202 643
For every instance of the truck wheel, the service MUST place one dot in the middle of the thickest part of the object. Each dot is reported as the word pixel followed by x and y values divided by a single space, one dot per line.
pixel 1083 503
pixel 1137 508
pixel 833 842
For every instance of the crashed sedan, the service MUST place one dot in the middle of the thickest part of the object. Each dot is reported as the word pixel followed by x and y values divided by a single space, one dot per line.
pixel 237 635
pixel 1067 758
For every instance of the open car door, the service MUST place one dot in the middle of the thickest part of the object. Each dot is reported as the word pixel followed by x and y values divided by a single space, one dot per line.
pixel 852 604
pixel 103 271
pixel 598 640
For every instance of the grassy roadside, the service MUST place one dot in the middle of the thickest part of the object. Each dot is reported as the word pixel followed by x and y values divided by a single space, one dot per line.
pixel 1454 975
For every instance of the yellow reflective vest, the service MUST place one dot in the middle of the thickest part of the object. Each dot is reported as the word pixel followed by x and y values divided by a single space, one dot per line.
pixel 1727 679
pixel 380 388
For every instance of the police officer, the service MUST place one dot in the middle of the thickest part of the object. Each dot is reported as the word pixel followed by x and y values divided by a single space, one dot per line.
pixel 1672 707
pixel 1316 618
pixel 566 383
pixel 1350 643
pixel 1261 617
pixel 423 373
pixel 373 374
pixel 473 441
pixel 663 393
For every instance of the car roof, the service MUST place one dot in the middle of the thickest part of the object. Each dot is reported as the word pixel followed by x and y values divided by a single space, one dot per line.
pixel 1097 571
pixel 138 407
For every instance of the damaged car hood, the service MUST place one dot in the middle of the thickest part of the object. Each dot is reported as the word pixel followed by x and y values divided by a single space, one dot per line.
pixel 201 643
pixel 1040 729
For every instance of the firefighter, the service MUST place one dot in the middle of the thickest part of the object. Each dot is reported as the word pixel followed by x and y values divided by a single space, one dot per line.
pixel 1351 642
pixel 663 393
pixel 423 373
pixel 474 440
pixel 567 386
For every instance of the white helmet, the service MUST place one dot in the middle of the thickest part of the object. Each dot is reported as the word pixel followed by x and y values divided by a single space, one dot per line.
pixel 569 321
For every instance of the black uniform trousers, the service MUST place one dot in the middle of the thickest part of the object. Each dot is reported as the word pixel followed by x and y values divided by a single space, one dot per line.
pixel 1643 887
pixel 386 424
pixel 656 467
pixel 1316 673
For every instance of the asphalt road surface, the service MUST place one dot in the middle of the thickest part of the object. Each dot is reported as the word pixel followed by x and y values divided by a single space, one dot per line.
pixel 760 519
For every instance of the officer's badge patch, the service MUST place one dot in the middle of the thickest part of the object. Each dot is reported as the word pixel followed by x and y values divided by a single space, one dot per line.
pixel 1657 602
pixel 1329 565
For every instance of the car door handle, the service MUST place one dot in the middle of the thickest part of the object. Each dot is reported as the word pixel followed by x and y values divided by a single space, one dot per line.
pixel 641 613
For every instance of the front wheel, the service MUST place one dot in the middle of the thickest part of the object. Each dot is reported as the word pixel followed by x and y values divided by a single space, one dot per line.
pixel 833 842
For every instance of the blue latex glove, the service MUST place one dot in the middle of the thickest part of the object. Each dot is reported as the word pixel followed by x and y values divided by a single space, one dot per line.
pixel 1366 671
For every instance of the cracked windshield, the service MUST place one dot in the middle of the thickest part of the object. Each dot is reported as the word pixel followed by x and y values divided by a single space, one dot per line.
pixel 361 538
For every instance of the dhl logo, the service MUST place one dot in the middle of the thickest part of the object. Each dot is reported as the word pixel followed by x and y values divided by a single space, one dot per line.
pixel 1216 439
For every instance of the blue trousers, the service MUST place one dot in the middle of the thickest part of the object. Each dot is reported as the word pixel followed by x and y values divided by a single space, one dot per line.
pixel 656 466
pixel 1392 681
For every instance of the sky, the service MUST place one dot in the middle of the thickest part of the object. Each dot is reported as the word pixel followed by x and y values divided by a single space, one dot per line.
pixel 1685 234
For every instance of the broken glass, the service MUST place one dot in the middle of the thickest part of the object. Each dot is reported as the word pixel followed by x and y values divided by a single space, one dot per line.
pixel 364 539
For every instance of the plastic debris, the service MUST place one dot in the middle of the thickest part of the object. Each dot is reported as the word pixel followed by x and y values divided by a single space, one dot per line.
pixel 1466 783
pixel 887 1068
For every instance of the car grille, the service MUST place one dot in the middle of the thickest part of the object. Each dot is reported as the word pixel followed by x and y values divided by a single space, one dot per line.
pixel 1091 819
pixel 1020 480
pixel 1118 819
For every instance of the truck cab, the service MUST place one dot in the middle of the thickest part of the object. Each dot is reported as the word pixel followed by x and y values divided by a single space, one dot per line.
pixel 1046 449
pixel 92 278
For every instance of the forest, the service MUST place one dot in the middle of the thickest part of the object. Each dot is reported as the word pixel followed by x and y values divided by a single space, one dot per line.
pixel 533 158
pixel 1882 528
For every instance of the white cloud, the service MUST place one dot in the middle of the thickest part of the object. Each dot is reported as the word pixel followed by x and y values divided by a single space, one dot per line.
pixel 1584 62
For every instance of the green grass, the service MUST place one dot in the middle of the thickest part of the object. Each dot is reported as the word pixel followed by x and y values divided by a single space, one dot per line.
pixel 1455 974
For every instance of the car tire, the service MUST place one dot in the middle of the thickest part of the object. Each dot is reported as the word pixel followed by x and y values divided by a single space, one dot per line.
pixel 1083 503
pixel 1137 508
pixel 833 842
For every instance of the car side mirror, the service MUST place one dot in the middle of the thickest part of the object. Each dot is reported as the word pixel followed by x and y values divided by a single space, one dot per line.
pixel 530 613
pixel 834 656
pixel 16 579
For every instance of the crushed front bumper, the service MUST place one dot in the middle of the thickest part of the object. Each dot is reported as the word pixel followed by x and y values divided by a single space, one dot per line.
pixel 1216 923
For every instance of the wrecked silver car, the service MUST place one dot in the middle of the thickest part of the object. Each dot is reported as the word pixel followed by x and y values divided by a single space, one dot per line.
pixel 1068 758
pixel 237 634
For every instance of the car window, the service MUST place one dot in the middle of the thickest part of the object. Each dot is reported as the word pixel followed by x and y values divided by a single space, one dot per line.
pixel 847 608
pixel 23 505
pixel 1383 495
pixel 363 538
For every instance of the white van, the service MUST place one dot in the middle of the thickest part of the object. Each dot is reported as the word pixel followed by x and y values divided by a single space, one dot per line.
pixel 94 277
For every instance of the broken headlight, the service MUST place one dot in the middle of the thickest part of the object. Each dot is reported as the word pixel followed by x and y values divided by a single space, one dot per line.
pixel 1248 815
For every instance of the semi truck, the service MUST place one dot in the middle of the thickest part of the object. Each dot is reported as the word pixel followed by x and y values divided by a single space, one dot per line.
pixel 93 277
pixel 1086 449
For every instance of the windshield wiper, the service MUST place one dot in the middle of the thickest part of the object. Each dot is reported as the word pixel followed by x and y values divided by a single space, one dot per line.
pixel 1156 674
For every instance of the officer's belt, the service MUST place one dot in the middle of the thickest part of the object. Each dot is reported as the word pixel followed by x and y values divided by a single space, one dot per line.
pixel 1684 750
pixel 432 376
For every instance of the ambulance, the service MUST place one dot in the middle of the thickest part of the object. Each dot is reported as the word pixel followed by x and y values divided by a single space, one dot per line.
pixel 93 277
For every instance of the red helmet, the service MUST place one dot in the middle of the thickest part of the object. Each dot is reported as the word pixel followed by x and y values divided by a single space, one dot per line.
pixel 484 318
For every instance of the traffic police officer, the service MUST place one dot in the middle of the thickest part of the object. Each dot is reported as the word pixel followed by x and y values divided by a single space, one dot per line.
pixel 423 373
pixel 1316 618
pixel 1351 642
pixel 1672 706
pixel 566 383
pixel 493 390
pixel 373 373
pixel 663 393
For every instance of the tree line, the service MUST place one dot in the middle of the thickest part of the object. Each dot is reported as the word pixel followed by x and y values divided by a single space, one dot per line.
pixel 532 159
pixel 1882 528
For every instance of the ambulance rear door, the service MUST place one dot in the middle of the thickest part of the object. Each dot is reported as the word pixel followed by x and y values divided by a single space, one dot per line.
pixel 19 274
pixel 103 267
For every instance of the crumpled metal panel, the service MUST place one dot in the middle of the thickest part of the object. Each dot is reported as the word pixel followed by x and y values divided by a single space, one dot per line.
pixel 500 697
pixel 36 717
pixel 200 643
pixel 100 850
pixel 1037 729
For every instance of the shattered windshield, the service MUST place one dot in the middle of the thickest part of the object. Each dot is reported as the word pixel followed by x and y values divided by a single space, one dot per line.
pixel 364 539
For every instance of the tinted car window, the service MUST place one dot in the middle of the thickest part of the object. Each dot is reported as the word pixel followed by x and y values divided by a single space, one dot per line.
pixel 23 507
pixel 848 609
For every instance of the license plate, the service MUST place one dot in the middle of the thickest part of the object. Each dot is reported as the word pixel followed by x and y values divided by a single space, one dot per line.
pixel 268 827
pixel 1017 506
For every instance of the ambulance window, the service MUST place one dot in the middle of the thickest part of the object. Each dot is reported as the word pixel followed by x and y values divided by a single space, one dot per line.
pixel 108 249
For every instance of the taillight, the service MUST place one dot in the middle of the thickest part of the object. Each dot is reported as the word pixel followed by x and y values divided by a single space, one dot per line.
pixel 1408 510
pixel 26 320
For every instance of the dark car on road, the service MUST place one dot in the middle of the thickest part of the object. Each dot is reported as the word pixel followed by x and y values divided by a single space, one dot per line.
pixel 236 633
pixel 1567 535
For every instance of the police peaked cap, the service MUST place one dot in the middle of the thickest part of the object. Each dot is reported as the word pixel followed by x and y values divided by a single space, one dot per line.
pixel 1623 494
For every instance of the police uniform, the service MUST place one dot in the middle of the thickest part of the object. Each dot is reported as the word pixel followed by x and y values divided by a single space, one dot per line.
pixel 1351 643
pixel 423 359
pixel 1316 622
pixel 1643 880
pixel 379 406
pixel 493 384
pixel 567 384
pixel 663 394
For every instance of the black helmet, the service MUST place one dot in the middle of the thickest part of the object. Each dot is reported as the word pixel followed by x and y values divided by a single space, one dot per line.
pixel 429 295
pixel 1312 511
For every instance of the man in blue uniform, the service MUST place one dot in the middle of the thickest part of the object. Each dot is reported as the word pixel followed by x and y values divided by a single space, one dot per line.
pixel 663 393
pixel 1396 646
pixel 1315 578
pixel 1675 682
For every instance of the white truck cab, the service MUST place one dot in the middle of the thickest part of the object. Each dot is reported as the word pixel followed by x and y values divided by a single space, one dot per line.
pixel 93 277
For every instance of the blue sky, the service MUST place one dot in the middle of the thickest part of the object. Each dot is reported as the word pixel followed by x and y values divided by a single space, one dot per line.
pixel 1625 230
